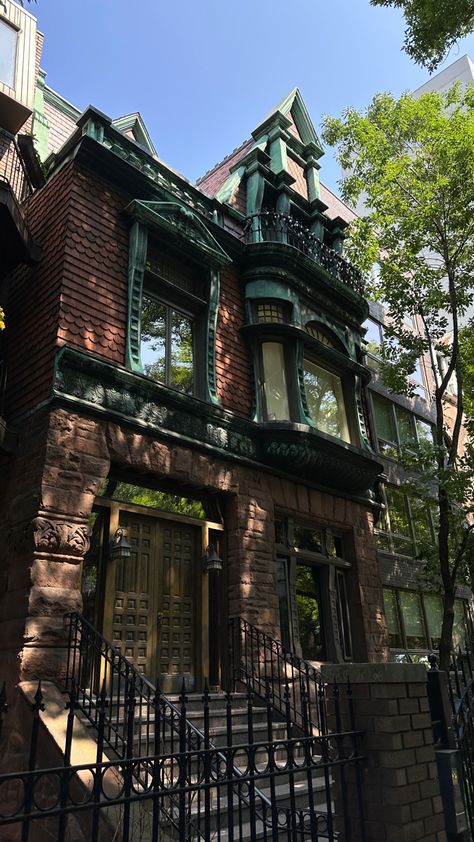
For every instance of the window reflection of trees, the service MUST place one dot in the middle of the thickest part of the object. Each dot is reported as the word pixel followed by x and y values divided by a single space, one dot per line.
pixel 167 345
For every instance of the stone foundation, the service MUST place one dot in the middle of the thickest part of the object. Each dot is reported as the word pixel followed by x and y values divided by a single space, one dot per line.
pixel 52 484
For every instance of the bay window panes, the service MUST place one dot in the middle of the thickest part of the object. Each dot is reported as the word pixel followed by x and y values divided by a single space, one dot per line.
pixel 434 617
pixel 167 345
pixel 8 38
pixel 309 612
pixel 385 426
pixel 270 312
pixel 412 620
pixel 459 626
pixel 406 427
pixel 274 378
pixel 325 400
pixel 393 621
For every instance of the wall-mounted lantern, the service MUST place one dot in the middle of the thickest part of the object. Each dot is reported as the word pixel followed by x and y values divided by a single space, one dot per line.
pixel 211 561
pixel 119 547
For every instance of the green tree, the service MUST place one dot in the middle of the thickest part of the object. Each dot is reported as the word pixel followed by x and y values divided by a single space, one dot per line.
pixel 432 26
pixel 413 160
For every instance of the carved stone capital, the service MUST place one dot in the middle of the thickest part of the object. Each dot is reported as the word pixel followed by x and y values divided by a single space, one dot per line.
pixel 59 536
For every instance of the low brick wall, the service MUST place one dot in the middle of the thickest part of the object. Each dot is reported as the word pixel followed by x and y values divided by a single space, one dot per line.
pixel 399 780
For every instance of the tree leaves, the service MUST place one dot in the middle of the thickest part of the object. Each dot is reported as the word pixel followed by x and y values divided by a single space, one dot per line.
pixel 432 27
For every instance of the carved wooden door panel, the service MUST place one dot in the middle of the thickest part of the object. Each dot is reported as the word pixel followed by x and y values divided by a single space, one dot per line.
pixel 134 604
pixel 155 598
pixel 177 591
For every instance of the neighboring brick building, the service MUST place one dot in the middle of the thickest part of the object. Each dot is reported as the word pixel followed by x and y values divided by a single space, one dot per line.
pixel 184 362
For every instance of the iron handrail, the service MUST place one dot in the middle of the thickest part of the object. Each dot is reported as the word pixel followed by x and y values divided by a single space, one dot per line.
pixel 134 685
pixel 261 662
pixel 273 226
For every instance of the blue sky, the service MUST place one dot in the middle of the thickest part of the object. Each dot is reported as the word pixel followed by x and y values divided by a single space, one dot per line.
pixel 204 74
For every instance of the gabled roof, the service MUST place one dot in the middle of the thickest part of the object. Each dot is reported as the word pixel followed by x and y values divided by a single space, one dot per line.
pixel 293 107
pixel 134 126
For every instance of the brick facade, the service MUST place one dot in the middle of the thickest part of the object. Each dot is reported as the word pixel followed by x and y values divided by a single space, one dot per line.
pixel 399 778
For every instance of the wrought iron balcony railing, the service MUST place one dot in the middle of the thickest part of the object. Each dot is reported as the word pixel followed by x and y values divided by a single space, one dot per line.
pixel 12 168
pixel 274 227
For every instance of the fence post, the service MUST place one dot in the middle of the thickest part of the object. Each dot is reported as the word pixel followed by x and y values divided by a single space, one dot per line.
pixel 400 788
pixel 447 756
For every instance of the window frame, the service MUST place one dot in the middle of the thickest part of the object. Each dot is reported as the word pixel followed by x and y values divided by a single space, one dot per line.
pixel 390 535
pixel 314 359
pixel 16 31
pixel 396 445
pixel 173 298
pixel 429 638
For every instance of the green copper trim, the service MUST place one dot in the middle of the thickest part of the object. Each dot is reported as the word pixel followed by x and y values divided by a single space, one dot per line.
pixel 90 384
pixel 178 223
pixel 231 185
pixel 134 123
pixel 41 125
pixel 58 102
pixel 210 384
pixel 136 273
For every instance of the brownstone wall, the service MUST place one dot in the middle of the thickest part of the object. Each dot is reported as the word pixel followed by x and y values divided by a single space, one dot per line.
pixel 232 357
pixel 60 463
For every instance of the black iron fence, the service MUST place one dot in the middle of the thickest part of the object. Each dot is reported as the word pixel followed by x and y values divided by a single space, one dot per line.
pixel 263 664
pixel 272 226
pixel 275 787
pixel 451 697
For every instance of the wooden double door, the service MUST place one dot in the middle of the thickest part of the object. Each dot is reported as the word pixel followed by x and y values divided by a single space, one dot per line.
pixel 154 599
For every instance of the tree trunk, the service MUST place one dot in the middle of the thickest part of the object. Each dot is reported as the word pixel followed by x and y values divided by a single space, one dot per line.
pixel 445 645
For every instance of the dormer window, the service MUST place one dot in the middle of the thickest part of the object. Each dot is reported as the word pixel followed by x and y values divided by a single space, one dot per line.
pixel 8 40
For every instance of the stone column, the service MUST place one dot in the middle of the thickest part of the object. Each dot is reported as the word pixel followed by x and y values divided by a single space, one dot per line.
pixel 400 786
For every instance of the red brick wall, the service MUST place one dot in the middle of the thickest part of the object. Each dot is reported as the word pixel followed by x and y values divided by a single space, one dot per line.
pixel 233 368
pixel 32 305
pixel 94 285
pixel 61 127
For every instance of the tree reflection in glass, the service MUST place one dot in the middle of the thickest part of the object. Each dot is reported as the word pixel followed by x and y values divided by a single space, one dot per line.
pixel 309 612
pixel 167 345
pixel 325 400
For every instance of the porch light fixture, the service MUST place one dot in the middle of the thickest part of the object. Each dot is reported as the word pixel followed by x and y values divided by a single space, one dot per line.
pixel 119 547
pixel 211 562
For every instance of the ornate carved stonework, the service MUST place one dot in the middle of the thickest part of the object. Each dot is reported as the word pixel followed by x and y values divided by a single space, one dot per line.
pixel 58 536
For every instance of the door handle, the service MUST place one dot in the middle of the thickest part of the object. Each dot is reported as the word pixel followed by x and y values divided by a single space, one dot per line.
pixel 159 619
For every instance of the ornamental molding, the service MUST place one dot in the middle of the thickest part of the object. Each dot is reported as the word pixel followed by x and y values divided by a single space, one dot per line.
pixel 158 408
pixel 176 221
pixel 59 536
pixel 52 535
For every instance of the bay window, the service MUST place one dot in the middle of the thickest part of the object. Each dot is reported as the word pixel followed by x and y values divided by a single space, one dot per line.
pixel 275 382
pixel 324 395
